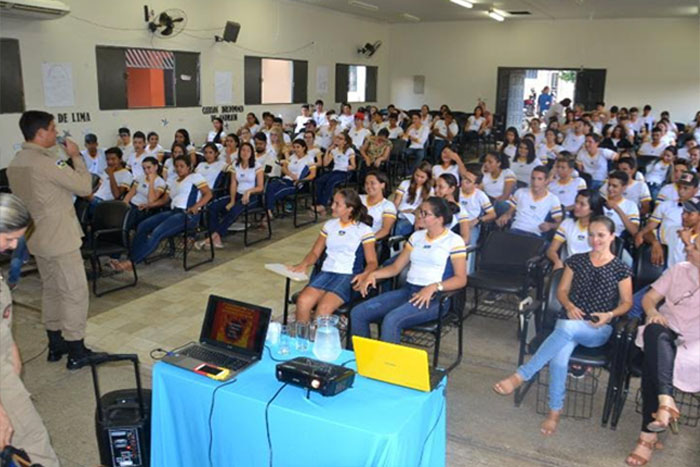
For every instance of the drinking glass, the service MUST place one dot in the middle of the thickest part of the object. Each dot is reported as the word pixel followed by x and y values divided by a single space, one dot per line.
pixel 283 348
pixel 302 336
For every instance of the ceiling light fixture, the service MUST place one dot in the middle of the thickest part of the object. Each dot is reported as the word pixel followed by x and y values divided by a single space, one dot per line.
pixel 463 3
pixel 497 16
pixel 363 5
pixel 415 19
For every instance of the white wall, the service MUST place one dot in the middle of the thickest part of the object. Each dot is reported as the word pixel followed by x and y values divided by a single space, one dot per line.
pixel 267 26
pixel 654 61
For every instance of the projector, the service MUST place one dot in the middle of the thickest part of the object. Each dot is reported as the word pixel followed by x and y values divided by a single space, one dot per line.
pixel 314 375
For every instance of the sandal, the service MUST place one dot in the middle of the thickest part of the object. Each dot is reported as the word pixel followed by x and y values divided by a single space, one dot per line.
pixel 639 460
pixel 658 426
pixel 507 386
pixel 549 426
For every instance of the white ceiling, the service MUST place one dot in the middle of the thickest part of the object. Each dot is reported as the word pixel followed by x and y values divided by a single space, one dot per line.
pixel 443 10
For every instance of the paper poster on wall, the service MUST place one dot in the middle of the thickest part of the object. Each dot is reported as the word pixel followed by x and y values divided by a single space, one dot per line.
pixel 223 87
pixel 322 79
pixel 58 84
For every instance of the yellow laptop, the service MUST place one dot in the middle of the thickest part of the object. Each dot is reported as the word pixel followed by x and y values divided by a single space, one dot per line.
pixel 395 364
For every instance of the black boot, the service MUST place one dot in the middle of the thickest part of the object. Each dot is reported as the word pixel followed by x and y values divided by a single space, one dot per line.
pixel 57 346
pixel 79 355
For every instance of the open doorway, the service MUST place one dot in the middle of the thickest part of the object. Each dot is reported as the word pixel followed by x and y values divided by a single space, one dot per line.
pixel 519 90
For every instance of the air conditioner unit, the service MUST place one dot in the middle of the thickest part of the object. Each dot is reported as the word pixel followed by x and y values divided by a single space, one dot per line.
pixel 36 9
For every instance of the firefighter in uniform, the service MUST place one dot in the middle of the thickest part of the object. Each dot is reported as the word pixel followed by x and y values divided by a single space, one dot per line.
pixel 20 424
pixel 46 184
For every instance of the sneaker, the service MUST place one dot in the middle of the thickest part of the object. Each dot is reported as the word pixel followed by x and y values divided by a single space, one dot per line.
pixel 578 371
pixel 491 298
pixel 237 227
pixel 288 207
pixel 198 245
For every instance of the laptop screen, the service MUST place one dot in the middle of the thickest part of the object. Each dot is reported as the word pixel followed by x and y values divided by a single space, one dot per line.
pixel 236 326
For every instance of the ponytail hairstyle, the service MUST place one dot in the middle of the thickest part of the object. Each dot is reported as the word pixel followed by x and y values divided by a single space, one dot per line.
pixel 359 210
pixel 184 159
pixel 427 169
pixel 217 137
pixel 154 161
pixel 605 220
pixel 301 143
pixel 14 215
pixel 595 201
pixel 441 208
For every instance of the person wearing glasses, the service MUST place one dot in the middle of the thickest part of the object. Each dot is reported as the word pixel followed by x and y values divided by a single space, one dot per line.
pixel 436 260
pixel 671 343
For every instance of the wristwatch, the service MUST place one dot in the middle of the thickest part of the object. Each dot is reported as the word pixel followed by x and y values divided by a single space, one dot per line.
pixel 440 287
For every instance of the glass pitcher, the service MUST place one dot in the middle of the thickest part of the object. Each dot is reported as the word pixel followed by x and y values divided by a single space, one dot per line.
pixel 327 344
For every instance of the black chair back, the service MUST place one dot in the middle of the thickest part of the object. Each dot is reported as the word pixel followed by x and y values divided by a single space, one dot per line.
pixel 111 215
pixel 509 253
pixel 4 182
pixel 552 309
pixel 645 272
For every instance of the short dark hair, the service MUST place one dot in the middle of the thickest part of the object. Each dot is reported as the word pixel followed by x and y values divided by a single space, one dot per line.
pixel 605 220
pixel 277 120
pixel 383 132
pixel 631 161
pixel 595 201
pixel 260 136
pixel 116 151
pixel 153 133
pixel 139 134
pixel 184 159
pixel 594 136
pixel 32 121
pixel 318 102
pixel 647 107
pixel 124 131
pixel 305 106
pixel 619 175
pixel 614 109
pixel 634 109
pixel 542 169
pixel 566 160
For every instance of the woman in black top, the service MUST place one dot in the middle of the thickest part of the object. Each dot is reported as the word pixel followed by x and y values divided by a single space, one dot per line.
pixel 595 286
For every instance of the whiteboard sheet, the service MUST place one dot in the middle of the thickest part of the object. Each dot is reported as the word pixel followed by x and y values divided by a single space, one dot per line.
pixel 58 84
pixel 223 87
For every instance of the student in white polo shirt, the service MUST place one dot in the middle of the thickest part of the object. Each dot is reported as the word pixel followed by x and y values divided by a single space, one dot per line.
pixel 574 141
pixel 573 231
pixel 654 147
pixel 498 181
pixel 667 218
pixel 300 121
pixel 319 115
pixel 532 206
pixel 477 207
pixel 670 190
pixel 565 186
pixel 635 190
pixel 444 132
pixel 94 156
pixel 358 133
pixel 346 118
pixel 146 193
pixel 658 172
pixel 349 245
pixel 299 168
pixel 684 152
pixel 188 194
pixel 687 234
pixel 594 160
pixel 218 134
pixel 511 139
pixel 342 155
pixel 382 211
pixel 451 163
pixel 524 161
pixel 436 260
pixel 623 212
pixel 133 163
pixel 447 188
pixel 115 181
pixel 213 167
pixel 395 131
pixel 153 148
pixel 416 136
pixel 409 196
pixel 549 149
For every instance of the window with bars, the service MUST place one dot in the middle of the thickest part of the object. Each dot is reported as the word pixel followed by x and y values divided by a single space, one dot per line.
pixel 133 78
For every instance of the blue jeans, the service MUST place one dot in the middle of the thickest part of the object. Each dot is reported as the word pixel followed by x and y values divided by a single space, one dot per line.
pixel 416 154
pixel 325 185
pixel 277 189
pixel 19 257
pixel 157 227
pixel 438 146
pixel 524 233
pixel 596 184
pixel 221 219
pixel 93 204
pixel 394 312
pixel 473 239
pixel 654 189
pixel 403 227
pixel 501 207
pixel 557 349
pixel 637 311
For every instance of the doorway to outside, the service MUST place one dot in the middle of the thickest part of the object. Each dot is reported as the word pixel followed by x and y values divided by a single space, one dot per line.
pixel 519 90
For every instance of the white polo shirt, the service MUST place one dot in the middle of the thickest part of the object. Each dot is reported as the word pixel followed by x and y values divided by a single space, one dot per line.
pixel 211 172
pixel 133 163
pixel 384 209
pixel 153 152
pixel 442 129
pixel 358 136
pixel 345 121
pixel 97 165
pixel 676 247
pixel 669 215
pixel 547 153
pixel 574 236
pixel 637 192
pixel 596 165
pixel 296 166
pixel 668 192
pixel 648 149
pixel 453 169
pixel 123 178
pixel 566 192
pixel 573 142
pixel 141 196
pixel 494 186
pixel 422 134
pixel 657 172
pixel 405 204
pixel 629 208
pixel 430 257
pixel 510 151
pixel 319 118
pixel 531 212
pixel 395 133
pixel 476 203
pixel 522 169
pixel 341 160
pixel 180 190
pixel 246 178
pixel 342 244
pixel 474 124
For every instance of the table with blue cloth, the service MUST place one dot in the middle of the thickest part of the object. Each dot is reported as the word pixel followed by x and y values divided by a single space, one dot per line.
pixel 370 424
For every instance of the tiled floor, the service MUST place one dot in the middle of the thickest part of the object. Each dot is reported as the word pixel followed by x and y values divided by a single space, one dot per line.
pixel 166 309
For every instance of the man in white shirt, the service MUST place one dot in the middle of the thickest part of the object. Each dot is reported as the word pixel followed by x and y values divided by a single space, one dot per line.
pixel 444 132
pixel 124 143
pixel 566 186
pixel 115 181
pixel 532 206
pixel 395 131
pixel 647 118
pixel 654 147
pixel 358 133
pixel 574 141
pixel 557 110
pixel 300 121
pixel 594 160
pixel 684 152
pixel 319 114
pixel 416 136
pixel 346 118
pixel 94 156
pixel 265 157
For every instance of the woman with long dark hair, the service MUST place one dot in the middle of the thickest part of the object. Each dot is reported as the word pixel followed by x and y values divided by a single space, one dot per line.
pixel 347 240
pixel 297 169
pixel 511 139
pixel 409 196
pixel 218 134
pixel 498 181
pixel 524 161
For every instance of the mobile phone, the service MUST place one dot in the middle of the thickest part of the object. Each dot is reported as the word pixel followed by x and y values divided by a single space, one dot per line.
pixel 61 140
pixel 211 371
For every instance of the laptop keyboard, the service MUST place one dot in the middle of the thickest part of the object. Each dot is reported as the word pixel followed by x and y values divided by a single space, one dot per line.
pixel 215 358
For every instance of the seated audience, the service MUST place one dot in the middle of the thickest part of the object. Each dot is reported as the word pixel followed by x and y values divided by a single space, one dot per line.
pixel 182 136
pixel 312 149
pixel 298 169
pixel 565 185
pixel 654 147
pixel 230 151
pixel 684 152
pixel 409 195
pixel 573 231
pixel 115 181
pixel 536 131
pixel 265 156
pixel 170 174
pixel 425 117
pixel 188 194
pixel 301 120
pixel 212 168
pixel 251 125
pixel 348 241
pixel 245 189
pixel 475 125
pixel 395 130
pixel 657 173
pixel 147 192
pixel 594 160
pixel 436 261
pixel 592 284
pixel 346 118
pixel 617 141
pixel 382 210
pixel 153 148
pixel 532 206
pixel 94 156
pixel 670 341
pixel 524 161
pixel 670 190
pixel 343 157
pixel 416 136
pixel 451 163
pixel 573 142
pixel 498 181
pixel 549 149
pixel 447 188
pixel 623 212
pixel 509 147
pixel 444 132
pixel 319 115
pixel 358 133
pixel 124 142
pixel 376 149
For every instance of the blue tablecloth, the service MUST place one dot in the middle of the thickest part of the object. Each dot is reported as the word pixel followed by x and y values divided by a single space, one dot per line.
pixel 370 424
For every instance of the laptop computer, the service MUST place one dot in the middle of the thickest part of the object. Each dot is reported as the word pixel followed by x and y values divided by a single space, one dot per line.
pixel 232 339
pixel 395 364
